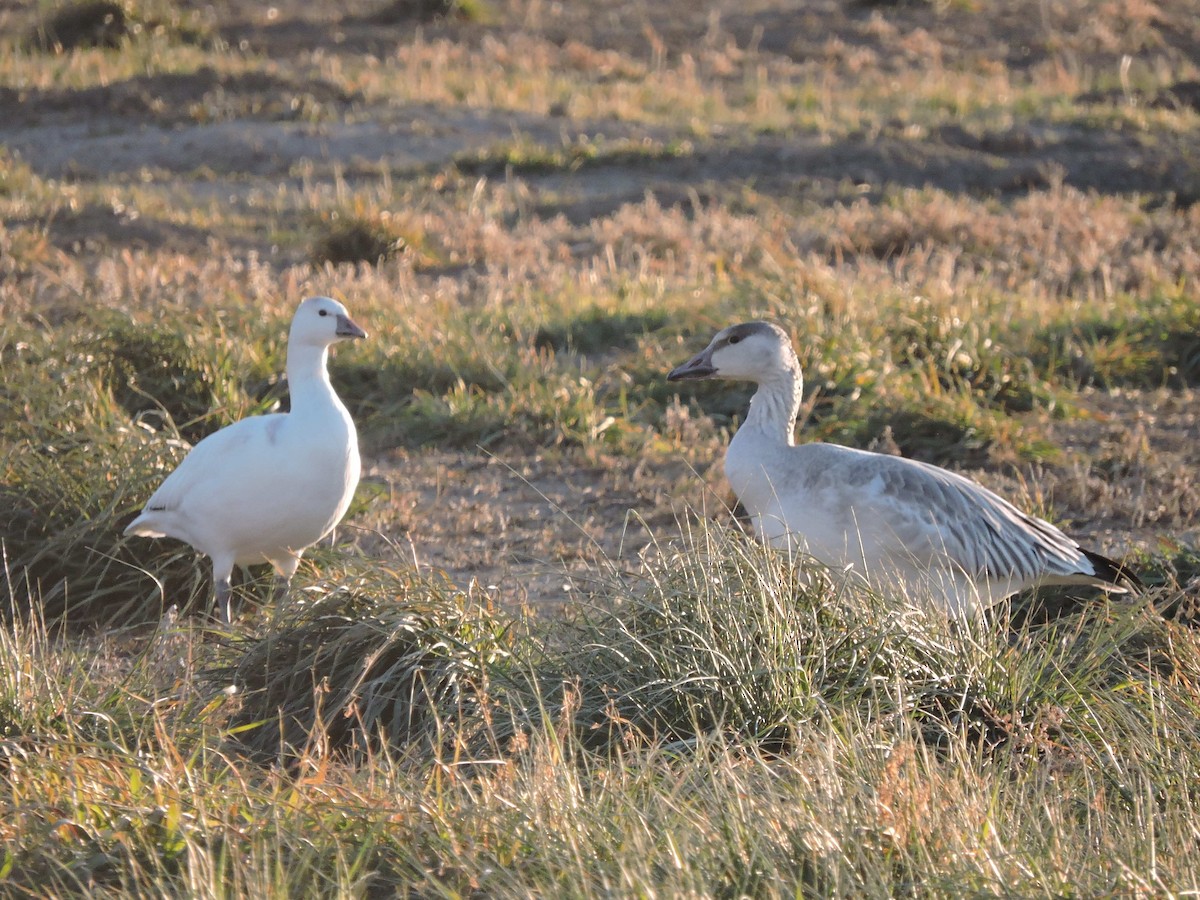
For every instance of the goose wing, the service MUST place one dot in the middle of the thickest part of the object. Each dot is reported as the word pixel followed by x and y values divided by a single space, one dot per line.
pixel 933 514
pixel 210 463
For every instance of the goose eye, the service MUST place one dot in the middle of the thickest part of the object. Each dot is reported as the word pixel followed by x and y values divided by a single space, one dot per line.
pixel 733 339
pixel 323 312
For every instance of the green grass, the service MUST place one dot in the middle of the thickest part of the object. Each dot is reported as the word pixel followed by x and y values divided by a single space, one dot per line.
pixel 526 157
pixel 1155 344
pixel 950 391
pixel 708 724
pixel 538 658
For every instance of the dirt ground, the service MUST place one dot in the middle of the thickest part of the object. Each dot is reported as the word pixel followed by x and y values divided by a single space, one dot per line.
pixel 528 528
pixel 253 129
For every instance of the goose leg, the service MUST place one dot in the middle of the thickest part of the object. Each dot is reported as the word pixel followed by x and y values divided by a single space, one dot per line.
pixel 224 592
pixel 223 588
pixel 285 568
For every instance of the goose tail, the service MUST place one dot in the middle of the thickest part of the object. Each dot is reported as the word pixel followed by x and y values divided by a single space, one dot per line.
pixel 1113 572
pixel 145 525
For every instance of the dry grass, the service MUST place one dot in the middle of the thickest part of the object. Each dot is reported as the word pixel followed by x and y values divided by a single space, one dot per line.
pixel 526 666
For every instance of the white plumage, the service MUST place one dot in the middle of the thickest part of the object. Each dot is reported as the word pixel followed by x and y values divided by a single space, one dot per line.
pixel 898 523
pixel 264 489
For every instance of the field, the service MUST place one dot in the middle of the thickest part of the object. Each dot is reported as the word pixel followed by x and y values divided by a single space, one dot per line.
pixel 540 657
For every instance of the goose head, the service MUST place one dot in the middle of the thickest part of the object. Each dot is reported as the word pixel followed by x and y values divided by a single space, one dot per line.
pixel 321 321
pixel 752 351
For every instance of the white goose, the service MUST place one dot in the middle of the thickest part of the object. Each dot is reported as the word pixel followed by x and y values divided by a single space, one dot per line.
pixel 266 488
pixel 898 523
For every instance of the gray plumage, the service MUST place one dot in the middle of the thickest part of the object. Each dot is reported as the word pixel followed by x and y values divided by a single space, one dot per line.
pixel 898 523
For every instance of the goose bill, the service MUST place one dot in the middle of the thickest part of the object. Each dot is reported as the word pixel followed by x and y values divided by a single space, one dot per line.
pixel 347 329
pixel 699 366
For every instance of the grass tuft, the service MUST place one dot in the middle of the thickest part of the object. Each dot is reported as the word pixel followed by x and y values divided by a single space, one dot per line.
pixel 89 23
pixel 79 459
pixel 714 638
pixel 524 156
pixel 1156 344
pixel 355 240
pixel 66 499
pixel 390 661
pixel 155 369
pixel 598 332
pixel 400 12
pixel 957 355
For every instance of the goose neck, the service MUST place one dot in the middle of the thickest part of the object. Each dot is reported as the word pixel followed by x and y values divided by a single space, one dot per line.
pixel 774 407
pixel 308 377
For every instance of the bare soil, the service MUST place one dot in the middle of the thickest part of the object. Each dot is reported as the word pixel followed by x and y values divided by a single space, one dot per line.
pixel 253 124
